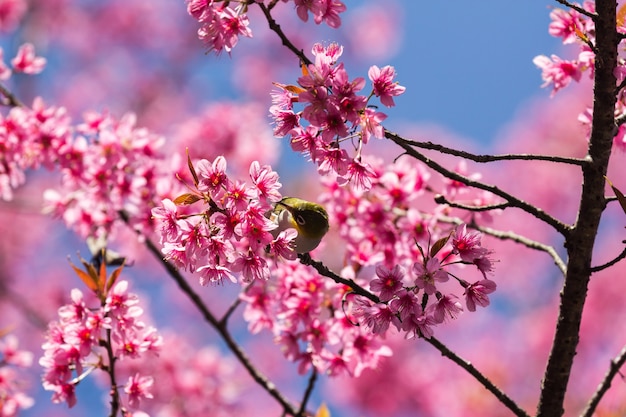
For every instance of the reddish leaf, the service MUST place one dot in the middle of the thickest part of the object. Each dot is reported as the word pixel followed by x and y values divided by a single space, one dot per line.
pixel 581 35
pixel 102 276
pixel 186 199
pixel 291 88
pixel 86 278
pixel 305 70
pixel 114 276
pixel 438 245
pixel 620 196
pixel 192 169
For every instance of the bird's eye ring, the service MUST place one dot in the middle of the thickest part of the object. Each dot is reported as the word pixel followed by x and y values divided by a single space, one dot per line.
pixel 300 220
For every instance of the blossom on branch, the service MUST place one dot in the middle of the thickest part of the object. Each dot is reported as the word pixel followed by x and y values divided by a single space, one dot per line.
pixel 334 112
pixel 94 337
pixel 232 232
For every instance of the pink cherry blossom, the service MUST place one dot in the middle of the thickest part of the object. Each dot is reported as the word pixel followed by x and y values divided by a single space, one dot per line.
pixel 384 86
pixel 476 294
pixel 330 13
pixel 467 244
pixel 222 28
pixel 213 177
pixel 428 274
pixel 388 283
pixel 304 7
pixel 266 182
pixel 446 307
pixel 566 24
pixel 137 388
pixel 557 72
pixel 25 61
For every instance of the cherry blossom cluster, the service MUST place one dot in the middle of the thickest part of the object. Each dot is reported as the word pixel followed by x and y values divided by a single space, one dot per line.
pixel 411 246
pixel 405 295
pixel 334 113
pixel 231 233
pixel 221 25
pixel 20 140
pixel 574 28
pixel 12 382
pixel 107 166
pixel 88 337
pixel 305 313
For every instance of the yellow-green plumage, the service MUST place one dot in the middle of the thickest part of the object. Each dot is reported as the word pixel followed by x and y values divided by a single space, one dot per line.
pixel 309 219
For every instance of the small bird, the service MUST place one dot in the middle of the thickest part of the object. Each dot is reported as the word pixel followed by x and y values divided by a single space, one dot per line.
pixel 309 219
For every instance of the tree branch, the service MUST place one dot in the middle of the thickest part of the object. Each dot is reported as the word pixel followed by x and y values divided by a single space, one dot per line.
pixel 523 240
pixel 580 241
pixel 115 395
pixel 471 369
pixel 513 201
pixel 440 199
pixel 224 320
pixel 260 379
pixel 325 271
pixel 614 368
pixel 307 392
pixel 578 9
pixel 12 101
pixel 485 158
pixel 610 263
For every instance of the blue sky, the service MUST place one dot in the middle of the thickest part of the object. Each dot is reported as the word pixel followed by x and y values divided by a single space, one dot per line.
pixel 467 65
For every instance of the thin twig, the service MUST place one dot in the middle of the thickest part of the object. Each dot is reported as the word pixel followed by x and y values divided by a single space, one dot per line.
pixel 307 392
pixel 272 4
pixel 508 235
pixel 325 271
pixel 12 100
pixel 614 368
pixel 471 369
pixel 559 226
pixel 440 199
pixel 579 9
pixel 610 263
pixel 487 158
pixel 529 243
pixel 115 395
pixel 621 85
